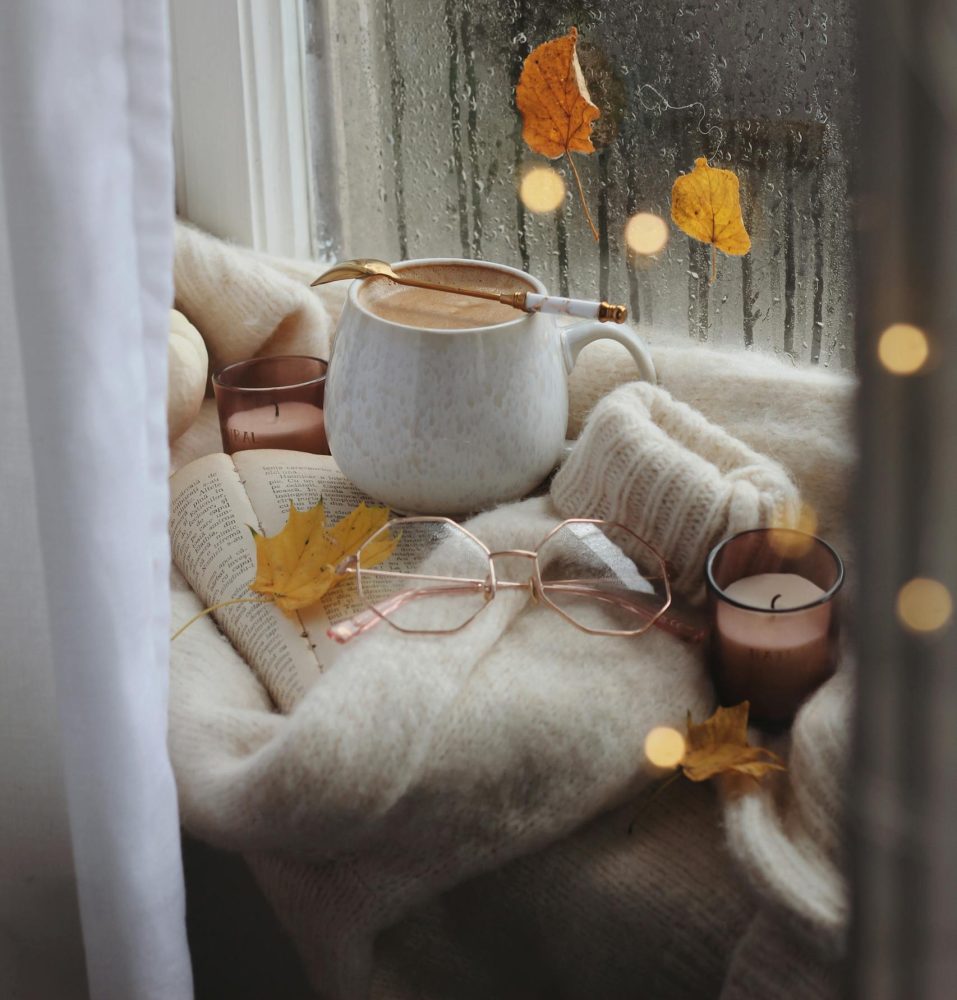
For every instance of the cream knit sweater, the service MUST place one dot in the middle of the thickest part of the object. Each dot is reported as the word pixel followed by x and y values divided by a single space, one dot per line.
pixel 447 819
pixel 676 479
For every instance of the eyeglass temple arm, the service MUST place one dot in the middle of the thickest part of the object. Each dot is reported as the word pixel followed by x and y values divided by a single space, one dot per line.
pixel 343 631
pixel 680 620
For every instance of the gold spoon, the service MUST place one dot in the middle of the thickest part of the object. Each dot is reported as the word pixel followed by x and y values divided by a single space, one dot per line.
pixel 366 267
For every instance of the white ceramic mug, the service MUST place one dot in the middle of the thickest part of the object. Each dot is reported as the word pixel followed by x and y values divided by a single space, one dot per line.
pixel 454 421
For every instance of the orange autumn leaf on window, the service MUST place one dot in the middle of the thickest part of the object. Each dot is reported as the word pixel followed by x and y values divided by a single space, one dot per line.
pixel 552 97
pixel 557 113
pixel 719 745
pixel 706 204
pixel 297 566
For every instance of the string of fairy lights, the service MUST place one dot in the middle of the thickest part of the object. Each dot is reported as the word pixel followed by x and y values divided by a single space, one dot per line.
pixel 924 605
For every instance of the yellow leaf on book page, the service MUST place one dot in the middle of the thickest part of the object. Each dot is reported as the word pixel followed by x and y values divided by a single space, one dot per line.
pixel 297 566
pixel 720 745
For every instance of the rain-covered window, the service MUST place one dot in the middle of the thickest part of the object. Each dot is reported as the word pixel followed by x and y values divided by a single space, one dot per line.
pixel 417 152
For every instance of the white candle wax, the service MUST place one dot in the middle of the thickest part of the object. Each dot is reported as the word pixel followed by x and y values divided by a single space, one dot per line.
pixel 293 425
pixel 773 591
pixel 773 655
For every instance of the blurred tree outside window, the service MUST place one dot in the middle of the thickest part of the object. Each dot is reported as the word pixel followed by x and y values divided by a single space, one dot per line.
pixel 417 152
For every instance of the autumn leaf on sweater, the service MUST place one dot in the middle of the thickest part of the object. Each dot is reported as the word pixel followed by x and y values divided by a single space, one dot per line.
pixel 706 204
pixel 297 566
pixel 720 745
pixel 557 113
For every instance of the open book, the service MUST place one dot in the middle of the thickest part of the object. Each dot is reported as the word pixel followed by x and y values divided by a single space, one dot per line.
pixel 214 502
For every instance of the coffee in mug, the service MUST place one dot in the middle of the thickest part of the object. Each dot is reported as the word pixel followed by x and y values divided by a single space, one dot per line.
pixel 424 308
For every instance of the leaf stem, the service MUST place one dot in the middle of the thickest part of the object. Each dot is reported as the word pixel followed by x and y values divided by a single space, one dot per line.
pixel 216 607
pixel 714 265
pixel 666 783
pixel 581 194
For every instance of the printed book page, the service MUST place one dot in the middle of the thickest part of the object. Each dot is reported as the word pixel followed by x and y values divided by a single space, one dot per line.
pixel 273 479
pixel 210 518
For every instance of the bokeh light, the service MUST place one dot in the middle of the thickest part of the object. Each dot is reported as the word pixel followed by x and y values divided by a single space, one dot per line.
pixel 542 189
pixel 924 605
pixel 646 233
pixel 788 544
pixel 903 349
pixel 664 746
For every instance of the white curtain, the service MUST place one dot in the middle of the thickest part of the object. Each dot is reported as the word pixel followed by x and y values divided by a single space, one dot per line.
pixel 87 197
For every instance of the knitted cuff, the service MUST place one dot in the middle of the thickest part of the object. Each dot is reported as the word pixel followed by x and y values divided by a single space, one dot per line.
pixel 663 470
pixel 241 305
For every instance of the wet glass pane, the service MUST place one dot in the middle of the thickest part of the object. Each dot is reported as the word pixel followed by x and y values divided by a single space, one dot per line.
pixel 418 152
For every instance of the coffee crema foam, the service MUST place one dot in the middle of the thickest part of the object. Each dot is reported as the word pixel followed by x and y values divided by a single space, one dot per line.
pixel 427 309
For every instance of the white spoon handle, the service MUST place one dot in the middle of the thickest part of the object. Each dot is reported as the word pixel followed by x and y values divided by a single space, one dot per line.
pixel 582 308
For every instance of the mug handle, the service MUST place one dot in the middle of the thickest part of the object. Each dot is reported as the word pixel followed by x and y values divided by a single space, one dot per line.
pixel 574 338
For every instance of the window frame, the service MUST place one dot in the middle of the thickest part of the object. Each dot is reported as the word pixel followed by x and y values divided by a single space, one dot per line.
pixel 241 135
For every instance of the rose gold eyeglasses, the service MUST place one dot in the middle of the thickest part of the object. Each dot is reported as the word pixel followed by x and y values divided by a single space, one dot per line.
pixel 598 575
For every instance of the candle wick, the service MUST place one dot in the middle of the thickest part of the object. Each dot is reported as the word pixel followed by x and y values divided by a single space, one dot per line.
pixel 773 599
pixel 277 407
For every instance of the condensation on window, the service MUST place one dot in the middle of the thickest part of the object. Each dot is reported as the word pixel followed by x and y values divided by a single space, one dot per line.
pixel 418 153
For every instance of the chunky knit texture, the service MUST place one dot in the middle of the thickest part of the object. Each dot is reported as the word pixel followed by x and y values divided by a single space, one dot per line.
pixel 417 762
pixel 791 855
pixel 802 418
pixel 676 479
pixel 243 306
pixel 448 819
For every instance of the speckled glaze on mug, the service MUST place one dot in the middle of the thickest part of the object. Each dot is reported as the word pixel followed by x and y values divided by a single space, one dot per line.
pixel 454 421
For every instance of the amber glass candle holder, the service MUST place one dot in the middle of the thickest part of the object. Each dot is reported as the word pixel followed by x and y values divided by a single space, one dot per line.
pixel 772 595
pixel 272 403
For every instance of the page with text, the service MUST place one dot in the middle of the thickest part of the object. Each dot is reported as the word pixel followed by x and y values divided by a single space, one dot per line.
pixel 273 479
pixel 210 521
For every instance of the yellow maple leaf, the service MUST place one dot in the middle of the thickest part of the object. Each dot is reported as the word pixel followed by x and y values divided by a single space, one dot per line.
pixel 706 204
pixel 720 744
pixel 557 113
pixel 297 566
